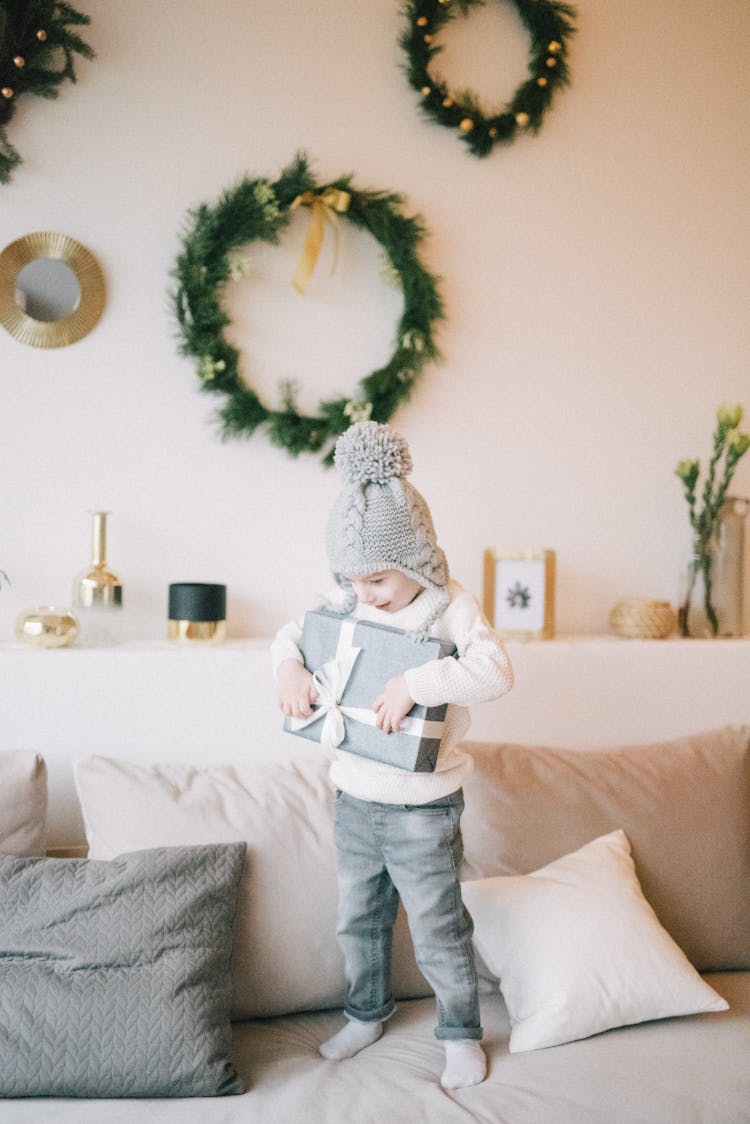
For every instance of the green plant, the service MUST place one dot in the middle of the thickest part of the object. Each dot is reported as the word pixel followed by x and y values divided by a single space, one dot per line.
pixel 729 446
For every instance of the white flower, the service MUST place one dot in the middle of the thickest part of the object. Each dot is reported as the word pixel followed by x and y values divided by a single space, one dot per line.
pixel 388 272
pixel 358 411
pixel 729 417
pixel 239 268
pixel 265 197
pixel 209 368
pixel 412 340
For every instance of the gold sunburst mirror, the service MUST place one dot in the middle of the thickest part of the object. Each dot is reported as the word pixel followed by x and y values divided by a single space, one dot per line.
pixel 51 290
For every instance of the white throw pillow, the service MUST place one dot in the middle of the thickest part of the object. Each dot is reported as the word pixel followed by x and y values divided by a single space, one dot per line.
pixel 578 950
pixel 286 957
pixel 23 802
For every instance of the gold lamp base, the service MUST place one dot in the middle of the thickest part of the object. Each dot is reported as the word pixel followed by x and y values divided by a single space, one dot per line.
pixel 206 632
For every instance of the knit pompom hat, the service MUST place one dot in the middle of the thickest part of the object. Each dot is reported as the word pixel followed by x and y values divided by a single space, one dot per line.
pixel 379 521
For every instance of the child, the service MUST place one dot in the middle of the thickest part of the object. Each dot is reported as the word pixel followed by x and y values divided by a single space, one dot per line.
pixel 397 832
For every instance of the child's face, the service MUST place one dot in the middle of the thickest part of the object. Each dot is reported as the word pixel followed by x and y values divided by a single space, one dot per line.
pixel 389 590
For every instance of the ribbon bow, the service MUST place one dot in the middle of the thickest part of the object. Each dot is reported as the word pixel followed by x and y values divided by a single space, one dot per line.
pixel 330 682
pixel 324 207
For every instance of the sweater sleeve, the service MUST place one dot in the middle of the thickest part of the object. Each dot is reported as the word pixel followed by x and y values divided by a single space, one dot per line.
pixel 285 644
pixel 482 670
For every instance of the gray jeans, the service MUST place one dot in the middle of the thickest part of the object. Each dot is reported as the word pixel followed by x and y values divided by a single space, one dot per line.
pixel 412 852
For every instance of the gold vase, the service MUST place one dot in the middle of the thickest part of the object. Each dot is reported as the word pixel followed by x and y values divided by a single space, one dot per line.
pixel 97 592
pixel 96 585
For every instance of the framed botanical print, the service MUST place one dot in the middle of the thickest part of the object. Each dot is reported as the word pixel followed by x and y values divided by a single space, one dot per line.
pixel 519 593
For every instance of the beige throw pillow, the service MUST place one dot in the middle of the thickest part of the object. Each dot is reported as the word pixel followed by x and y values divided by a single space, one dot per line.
pixel 684 805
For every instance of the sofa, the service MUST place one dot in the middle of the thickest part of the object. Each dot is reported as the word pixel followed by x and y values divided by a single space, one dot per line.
pixel 187 969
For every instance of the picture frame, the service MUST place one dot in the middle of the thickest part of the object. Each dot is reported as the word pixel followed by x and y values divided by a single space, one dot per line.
pixel 519 593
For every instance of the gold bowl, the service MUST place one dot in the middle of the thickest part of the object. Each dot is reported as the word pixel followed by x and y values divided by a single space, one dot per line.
pixel 47 627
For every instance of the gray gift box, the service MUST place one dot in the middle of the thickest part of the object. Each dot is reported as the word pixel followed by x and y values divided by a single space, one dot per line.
pixel 328 641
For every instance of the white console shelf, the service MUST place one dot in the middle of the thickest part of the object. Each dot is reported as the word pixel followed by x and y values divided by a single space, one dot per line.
pixel 161 701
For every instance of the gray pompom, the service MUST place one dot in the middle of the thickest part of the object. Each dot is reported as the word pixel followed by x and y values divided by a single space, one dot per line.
pixel 371 453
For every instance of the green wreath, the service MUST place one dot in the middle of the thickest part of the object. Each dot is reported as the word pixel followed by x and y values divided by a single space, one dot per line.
pixel 257 209
pixel 549 24
pixel 33 34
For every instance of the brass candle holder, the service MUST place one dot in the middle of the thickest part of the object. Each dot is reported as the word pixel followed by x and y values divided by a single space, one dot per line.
pixel 197 612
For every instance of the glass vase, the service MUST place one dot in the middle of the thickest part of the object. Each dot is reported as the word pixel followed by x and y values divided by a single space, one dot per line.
pixel 712 586
pixel 729 581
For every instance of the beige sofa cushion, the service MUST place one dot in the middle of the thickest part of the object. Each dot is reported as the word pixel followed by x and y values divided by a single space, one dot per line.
pixel 286 956
pixel 684 805
pixel 23 802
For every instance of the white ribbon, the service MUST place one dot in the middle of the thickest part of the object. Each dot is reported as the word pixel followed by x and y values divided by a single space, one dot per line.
pixel 330 682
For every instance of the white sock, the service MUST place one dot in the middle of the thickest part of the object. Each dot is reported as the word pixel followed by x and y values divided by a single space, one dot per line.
pixel 465 1063
pixel 351 1039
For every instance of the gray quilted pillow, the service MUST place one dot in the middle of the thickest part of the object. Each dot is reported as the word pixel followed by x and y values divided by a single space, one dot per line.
pixel 114 976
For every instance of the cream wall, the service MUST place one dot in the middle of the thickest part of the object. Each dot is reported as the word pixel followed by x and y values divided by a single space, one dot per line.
pixel 596 279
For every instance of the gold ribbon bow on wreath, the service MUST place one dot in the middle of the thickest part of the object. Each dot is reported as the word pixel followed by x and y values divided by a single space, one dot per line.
pixel 324 207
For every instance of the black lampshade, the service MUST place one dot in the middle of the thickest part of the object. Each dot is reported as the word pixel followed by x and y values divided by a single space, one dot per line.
pixel 197 601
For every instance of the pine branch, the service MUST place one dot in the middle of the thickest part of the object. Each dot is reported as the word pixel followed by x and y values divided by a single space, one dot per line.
pixel 37 50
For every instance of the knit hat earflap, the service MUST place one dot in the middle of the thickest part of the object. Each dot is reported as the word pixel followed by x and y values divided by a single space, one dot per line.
pixel 379 521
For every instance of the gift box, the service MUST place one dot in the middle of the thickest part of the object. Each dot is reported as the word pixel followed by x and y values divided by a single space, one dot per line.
pixel 352 661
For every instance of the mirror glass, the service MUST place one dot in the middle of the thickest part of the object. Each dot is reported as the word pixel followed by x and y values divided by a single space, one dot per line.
pixel 47 290
pixel 51 289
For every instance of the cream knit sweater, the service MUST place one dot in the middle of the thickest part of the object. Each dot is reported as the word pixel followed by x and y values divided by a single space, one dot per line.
pixel 481 672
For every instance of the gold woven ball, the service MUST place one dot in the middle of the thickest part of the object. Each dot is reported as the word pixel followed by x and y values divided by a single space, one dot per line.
pixel 551 63
pixel 541 82
pixel 447 102
pixel 522 120
pixel 426 90
pixel 19 61
pixel 466 125
pixel 7 92
pixel 428 38
pixel 422 21
pixel 554 47
pixel 41 35
pixel 638 618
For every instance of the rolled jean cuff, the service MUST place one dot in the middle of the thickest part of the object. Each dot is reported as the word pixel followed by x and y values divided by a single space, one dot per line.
pixel 451 1033
pixel 377 1016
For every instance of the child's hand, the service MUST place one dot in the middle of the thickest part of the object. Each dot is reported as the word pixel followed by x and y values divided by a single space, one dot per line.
pixel 393 705
pixel 295 689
